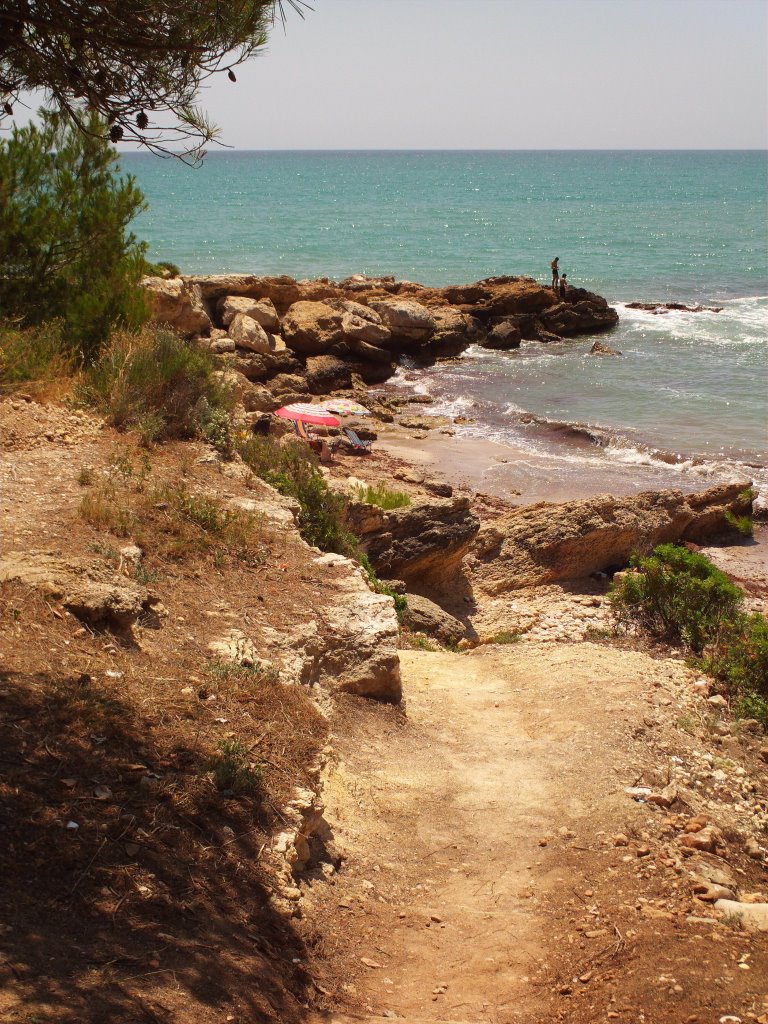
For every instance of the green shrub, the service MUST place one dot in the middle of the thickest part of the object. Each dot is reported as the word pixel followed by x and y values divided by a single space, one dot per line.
pixel 741 657
pixel 379 494
pixel 232 770
pixel 36 354
pixel 679 595
pixel 682 597
pixel 65 251
pixel 295 473
pixel 743 524
pixel 504 636
pixel 163 268
pixel 158 383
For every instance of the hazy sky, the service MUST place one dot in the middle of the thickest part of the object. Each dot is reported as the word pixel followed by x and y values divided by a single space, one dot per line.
pixel 506 74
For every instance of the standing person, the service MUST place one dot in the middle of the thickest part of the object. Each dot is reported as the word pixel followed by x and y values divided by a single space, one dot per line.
pixel 563 285
pixel 555 273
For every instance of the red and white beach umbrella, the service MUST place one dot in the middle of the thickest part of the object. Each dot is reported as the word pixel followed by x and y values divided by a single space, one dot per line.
pixel 306 412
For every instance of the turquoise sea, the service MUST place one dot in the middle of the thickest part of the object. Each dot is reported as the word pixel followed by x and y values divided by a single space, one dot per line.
pixel 689 396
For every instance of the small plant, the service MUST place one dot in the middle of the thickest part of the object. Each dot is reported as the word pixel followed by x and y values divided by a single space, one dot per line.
pixel 232 769
pixel 216 427
pixel 379 494
pixel 400 600
pixel 504 636
pixel 417 642
pixel 742 524
pixel 87 476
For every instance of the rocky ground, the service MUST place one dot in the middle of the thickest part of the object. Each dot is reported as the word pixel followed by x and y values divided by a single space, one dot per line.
pixel 542 830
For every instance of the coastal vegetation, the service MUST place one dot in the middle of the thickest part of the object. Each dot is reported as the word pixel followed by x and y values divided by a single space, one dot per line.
pixel 679 596
pixel 160 385
pixel 65 248
pixel 139 69
pixel 383 496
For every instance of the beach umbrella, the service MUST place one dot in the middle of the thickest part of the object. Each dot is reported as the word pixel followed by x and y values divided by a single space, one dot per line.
pixel 306 412
pixel 346 407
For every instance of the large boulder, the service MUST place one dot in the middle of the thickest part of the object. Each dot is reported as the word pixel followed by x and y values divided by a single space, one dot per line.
pixel 424 616
pixel 503 335
pixel 282 291
pixel 362 324
pixel 547 543
pixel 327 373
pixel 453 332
pixel 312 327
pixel 261 310
pixel 248 334
pixel 252 397
pixel 261 366
pixel 580 317
pixel 407 319
pixel 177 302
pixel 422 544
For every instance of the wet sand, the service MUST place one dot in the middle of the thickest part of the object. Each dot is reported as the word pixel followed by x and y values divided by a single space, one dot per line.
pixel 525 477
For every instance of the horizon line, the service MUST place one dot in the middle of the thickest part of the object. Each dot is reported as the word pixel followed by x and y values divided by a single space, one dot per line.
pixel 223 150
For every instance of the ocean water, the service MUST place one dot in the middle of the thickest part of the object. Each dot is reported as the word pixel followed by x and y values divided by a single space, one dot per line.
pixel 686 401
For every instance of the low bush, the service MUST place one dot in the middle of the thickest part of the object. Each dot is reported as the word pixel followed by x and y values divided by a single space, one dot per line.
pixel 295 473
pixel 680 596
pixel 232 769
pixel 36 355
pixel 743 524
pixel 379 494
pixel 159 384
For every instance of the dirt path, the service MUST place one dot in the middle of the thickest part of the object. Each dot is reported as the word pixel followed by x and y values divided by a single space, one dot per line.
pixel 483 878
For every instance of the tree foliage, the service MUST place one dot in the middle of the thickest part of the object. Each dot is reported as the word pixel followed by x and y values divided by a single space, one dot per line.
pixel 65 252
pixel 139 63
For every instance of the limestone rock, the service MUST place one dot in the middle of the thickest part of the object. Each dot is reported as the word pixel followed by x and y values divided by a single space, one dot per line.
pixel 247 333
pixel 252 397
pixel 503 335
pixel 327 373
pixel 178 303
pixel 599 349
pixel 83 589
pixel 452 334
pixel 544 543
pixel 753 916
pixel 592 314
pixel 407 319
pixel 422 544
pixel 261 310
pixel 312 327
pixel 281 291
pixel 221 345
pixel 424 616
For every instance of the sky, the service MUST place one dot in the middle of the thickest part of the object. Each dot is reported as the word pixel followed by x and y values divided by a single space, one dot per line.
pixel 505 74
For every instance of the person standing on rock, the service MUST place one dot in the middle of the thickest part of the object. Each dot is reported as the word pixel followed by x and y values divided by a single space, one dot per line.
pixel 555 273
pixel 563 285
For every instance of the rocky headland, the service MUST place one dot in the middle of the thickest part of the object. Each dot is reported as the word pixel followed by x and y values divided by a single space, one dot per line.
pixel 287 339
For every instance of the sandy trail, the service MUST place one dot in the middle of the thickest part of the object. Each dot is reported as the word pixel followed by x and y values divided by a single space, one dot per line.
pixel 449 885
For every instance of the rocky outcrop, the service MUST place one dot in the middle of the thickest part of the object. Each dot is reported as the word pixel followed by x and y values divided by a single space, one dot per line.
pixel 583 317
pixel 424 616
pixel 266 327
pixel 666 307
pixel 178 303
pixel 84 590
pixel 545 543
pixel 422 544
pixel 599 349
pixel 261 310
pixel 504 335
pixel 312 327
